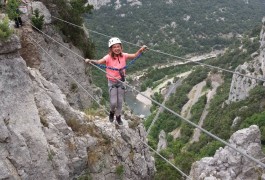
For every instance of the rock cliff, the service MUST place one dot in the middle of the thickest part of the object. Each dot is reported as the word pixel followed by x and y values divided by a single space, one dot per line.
pixel 42 136
pixel 227 164
pixel 65 61
pixel 240 85
pixel 162 143
pixel 97 4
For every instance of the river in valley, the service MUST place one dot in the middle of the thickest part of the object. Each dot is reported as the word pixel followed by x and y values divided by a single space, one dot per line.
pixel 140 108
pixel 137 107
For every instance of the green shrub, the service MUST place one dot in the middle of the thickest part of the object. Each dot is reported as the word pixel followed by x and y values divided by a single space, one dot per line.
pixel 5 31
pixel 73 87
pixel 37 20
pixel 257 119
pixel 119 170
pixel 51 154
pixel 73 11
pixel 85 176
pixel 12 6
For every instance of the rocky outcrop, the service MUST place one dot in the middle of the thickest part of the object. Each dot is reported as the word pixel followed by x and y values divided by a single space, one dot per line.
pixel 134 2
pixel 10 45
pixel 241 85
pixel 228 164
pixel 98 3
pixel 43 137
pixel 43 10
pixel 162 143
pixel 59 65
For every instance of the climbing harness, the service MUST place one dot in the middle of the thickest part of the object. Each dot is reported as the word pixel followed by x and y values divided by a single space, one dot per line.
pixel 117 85
pixel 121 72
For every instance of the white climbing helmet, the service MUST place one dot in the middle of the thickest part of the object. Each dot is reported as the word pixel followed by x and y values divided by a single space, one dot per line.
pixel 114 40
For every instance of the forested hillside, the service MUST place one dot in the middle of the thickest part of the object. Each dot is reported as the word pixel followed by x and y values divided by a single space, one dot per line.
pixel 176 27
pixel 222 119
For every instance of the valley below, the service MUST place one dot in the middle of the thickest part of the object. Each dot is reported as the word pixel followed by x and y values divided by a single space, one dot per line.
pixel 140 103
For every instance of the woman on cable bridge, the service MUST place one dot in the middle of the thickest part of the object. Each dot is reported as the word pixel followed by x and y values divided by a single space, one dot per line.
pixel 115 62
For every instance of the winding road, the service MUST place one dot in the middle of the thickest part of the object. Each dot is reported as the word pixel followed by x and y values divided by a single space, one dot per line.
pixel 171 89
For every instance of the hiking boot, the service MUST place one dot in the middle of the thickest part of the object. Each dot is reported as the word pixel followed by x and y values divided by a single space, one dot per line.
pixel 111 116
pixel 118 119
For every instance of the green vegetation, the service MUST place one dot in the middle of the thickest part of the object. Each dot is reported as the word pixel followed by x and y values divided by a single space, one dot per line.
pixel 119 171
pixel 166 120
pixel 197 109
pixel 74 87
pixel 194 31
pixel 157 97
pixel 94 110
pixel 154 75
pixel 5 31
pixel 72 12
pixel 179 28
pixel 37 20
pixel 168 171
pixel 220 114
pixel 51 154
pixel 201 33
pixel 85 176
pixel 254 113
pixel 100 80
pixel 81 128
pixel 235 56
pixel 12 6
pixel 251 111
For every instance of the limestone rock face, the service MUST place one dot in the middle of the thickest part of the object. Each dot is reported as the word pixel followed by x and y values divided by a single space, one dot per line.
pixel 43 137
pixel 241 85
pixel 98 3
pixel 231 165
pixel 162 143
pixel 59 65
pixel 10 45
